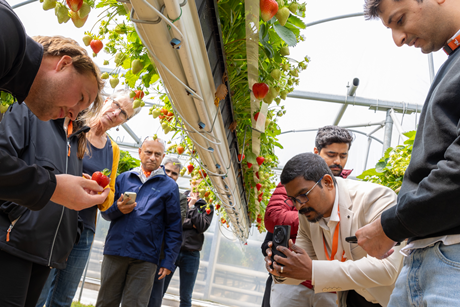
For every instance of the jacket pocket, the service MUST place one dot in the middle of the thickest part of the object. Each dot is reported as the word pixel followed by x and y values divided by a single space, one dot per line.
pixel 13 210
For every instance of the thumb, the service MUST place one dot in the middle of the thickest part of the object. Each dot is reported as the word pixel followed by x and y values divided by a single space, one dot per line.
pixel 294 247
pixel 90 184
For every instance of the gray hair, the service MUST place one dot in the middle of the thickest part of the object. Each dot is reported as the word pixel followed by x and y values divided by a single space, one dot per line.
pixel 150 138
pixel 124 93
pixel 172 160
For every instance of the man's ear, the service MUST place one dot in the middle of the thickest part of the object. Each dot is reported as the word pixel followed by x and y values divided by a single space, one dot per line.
pixel 64 63
pixel 315 151
pixel 328 181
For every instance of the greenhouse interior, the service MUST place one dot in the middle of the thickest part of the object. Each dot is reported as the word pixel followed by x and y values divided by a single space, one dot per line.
pixel 199 60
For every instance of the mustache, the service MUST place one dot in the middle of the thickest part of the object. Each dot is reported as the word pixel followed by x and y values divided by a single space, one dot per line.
pixel 337 166
pixel 306 210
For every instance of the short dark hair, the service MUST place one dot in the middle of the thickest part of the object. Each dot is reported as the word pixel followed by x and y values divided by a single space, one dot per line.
pixel 308 165
pixel 332 134
pixel 372 10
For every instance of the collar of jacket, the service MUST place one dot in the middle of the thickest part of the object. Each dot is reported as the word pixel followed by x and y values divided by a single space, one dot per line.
pixel 158 172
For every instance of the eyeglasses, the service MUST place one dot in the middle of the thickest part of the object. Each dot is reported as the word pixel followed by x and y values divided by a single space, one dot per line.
pixel 302 198
pixel 172 173
pixel 116 106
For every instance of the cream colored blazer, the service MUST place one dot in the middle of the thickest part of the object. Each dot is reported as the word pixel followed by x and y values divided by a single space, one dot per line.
pixel 360 203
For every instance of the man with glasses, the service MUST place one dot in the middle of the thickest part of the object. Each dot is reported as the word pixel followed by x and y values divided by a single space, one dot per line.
pixel 331 209
pixel 332 143
pixel 138 230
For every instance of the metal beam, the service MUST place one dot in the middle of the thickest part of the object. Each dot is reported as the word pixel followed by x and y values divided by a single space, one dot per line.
pixel 388 132
pixel 381 105
pixel 22 3
pixel 131 133
pixel 335 18
pixel 314 129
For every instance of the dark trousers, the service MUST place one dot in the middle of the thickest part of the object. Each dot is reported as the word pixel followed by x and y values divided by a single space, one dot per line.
pixel 156 297
pixel 21 281
pixel 268 288
pixel 188 263
pixel 356 300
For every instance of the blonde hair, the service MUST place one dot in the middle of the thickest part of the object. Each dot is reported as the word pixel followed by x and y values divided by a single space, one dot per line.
pixel 59 46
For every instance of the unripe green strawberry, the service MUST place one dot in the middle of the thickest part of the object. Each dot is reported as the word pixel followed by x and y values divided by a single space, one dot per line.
pixel 3 107
pixel 142 103
pixel 167 130
pixel 120 29
pixel 293 7
pixel 289 82
pixel 294 73
pixel 156 113
pixel 276 74
pixel 62 13
pixel 164 125
pixel 114 82
pixel 137 103
pixel 119 58
pixel 136 66
pixel 105 75
pixel 282 15
pixel 284 51
pixel 49 4
pixel 84 10
pixel 132 94
pixel 277 100
pixel 283 95
pixel 106 62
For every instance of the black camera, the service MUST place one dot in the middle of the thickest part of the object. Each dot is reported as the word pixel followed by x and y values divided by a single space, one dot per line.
pixel 281 236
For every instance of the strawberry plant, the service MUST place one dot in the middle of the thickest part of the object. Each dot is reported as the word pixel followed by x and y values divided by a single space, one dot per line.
pixel 390 169
pixel 280 24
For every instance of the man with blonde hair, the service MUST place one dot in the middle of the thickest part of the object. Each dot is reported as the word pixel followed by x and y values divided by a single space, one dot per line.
pixel 55 78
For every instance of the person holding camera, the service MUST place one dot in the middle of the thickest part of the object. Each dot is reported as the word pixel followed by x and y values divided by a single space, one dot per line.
pixel 332 143
pixel 331 209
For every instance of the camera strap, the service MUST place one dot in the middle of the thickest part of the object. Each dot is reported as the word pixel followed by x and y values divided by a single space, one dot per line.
pixel 335 244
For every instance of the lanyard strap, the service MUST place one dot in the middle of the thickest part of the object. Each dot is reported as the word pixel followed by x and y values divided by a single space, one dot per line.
pixel 452 45
pixel 69 132
pixel 335 244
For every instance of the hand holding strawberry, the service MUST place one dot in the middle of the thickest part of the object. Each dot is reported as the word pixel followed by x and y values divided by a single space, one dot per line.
pixel 101 177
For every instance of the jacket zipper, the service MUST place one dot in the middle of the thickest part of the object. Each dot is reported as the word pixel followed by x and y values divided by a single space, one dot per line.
pixel 62 211
pixel 11 228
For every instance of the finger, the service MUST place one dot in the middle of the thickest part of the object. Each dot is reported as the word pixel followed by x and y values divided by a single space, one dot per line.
pixel 277 269
pixel 387 254
pixel 86 176
pixel 97 199
pixel 90 184
pixel 269 252
pixel 284 250
pixel 295 248
pixel 281 260
pixel 270 243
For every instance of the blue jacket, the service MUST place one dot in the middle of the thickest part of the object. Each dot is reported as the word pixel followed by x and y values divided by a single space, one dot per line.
pixel 139 234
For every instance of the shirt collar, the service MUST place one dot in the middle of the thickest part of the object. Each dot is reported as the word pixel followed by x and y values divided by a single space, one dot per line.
pixel 455 35
pixel 335 209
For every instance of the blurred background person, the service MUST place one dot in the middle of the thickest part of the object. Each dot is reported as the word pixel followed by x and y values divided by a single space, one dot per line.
pixel 102 153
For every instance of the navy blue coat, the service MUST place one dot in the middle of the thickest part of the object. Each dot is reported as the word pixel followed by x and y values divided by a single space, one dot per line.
pixel 139 234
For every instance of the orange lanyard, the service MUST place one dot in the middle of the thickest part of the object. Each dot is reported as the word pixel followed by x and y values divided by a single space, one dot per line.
pixel 69 132
pixel 335 244
pixel 452 45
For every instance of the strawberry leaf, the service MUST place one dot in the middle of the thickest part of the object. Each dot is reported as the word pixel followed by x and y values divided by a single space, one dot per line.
pixel 286 35
pixel 296 21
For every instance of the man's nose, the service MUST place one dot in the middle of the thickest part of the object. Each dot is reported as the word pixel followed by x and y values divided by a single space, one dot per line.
pixel 399 37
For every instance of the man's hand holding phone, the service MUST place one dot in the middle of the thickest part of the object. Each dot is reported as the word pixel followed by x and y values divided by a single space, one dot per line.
pixel 126 203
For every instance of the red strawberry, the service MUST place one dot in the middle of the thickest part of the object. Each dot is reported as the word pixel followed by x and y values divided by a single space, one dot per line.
pixel 74 5
pixel 206 194
pixel 258 186
pixel 223 221
pixel 190 168
pixel 260 160
pixel 101 177
pixel 203 173
pixel 139 94
pixel 268 9
pixel 257 175
pixel 208 211
pixel 260 197
pixel 217 206
pixel 161 116
pixel 164 111
pixel 96 45
pixel 256 116
pixel 210 200
pixel 259 219
pixel 241 157
pixel 170 114
pixel 180 150
pixel 246 243
pixel 249 165
pixel 260 90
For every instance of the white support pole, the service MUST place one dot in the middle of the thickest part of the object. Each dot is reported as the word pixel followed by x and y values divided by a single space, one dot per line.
pixel 213 255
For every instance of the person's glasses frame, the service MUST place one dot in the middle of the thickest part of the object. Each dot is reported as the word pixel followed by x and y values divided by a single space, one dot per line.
pixel 170 171
pixel 302 198
pixel 116 106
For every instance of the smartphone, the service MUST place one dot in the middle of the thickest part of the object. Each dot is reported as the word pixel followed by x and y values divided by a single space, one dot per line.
pixel 131 196
pixel 354 239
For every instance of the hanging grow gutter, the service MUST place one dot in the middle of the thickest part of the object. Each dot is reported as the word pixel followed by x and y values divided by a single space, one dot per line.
pixel 172 33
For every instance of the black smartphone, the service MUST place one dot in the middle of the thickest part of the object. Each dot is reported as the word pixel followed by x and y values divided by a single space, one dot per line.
pixel 354 239
pixel 281 236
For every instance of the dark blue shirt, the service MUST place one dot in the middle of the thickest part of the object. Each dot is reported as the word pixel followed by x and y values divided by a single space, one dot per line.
pixel 96 160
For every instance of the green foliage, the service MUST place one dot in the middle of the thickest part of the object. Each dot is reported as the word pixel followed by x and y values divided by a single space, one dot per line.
pixel 6 99
pixel 127 162
pixel 390 169
pixel 78 304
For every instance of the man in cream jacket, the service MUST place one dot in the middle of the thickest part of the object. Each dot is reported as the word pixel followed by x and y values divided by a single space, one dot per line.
pixel 331 209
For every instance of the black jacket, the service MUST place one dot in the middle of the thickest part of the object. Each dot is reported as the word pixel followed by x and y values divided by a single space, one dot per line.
pixel 193 237
pixel 20 58
pixel 45 237
pixel 428 203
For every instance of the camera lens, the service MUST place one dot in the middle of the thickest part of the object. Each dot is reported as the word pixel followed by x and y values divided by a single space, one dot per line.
pixel 279 235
